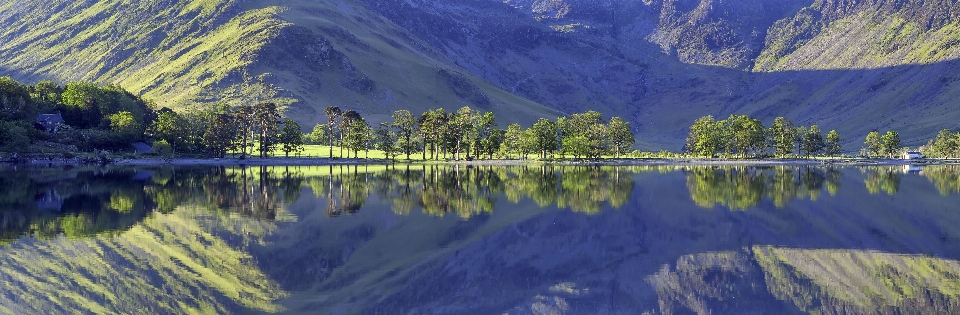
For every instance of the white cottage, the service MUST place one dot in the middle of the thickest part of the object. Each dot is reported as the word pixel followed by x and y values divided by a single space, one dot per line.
pixel 912 155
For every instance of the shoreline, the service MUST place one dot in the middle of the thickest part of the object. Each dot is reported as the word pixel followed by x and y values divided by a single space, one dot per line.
pixel 300 161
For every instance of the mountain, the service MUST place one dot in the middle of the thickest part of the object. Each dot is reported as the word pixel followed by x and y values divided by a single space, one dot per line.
pixel 854 66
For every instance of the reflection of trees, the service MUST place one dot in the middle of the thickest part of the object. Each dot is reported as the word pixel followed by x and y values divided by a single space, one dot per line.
pixel 886 179
pixel 470 190
pixel 256 192
pixel 946 178
pixel 46 203
pixel 744 187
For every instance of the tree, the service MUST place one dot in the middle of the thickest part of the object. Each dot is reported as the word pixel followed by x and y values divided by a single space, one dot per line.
pixel 813 141
pixel 599 139
pixel 512 138
pixel 386 141
pixel 833 144
pixel 945 145
pixel 872 144
pixel 746 135
pixel 491 143
pixel 782 136
pixel 578 146
pixel 169 127
pixel 621 137
pixel 291 137
pixel 124 123
pixel 485 126
pixel 347 121
pixel 220 135
pixel 799 132
pixel 267 124
pixel 406 126
pixel 319 135
pixel 462 128
pixel 890 143
pixel 244 119
pixel 163 148
pixel 333 113
pixel 703 139
pixel 432 126
pixel 544 134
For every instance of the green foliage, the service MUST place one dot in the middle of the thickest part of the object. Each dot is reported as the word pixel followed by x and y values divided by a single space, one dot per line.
pixel 291 137
pixel 578 146
pixel 163 148
pixel 124 123
pixel 544 134
pixel 782 136
pixel 832 144
pixel 813 143
pixel 14 137
pixel 406 126
pixel 621 137
pixel 945 145
pixel 890 143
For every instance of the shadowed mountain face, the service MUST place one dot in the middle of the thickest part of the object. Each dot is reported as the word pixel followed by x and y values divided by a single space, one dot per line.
pixel 853 66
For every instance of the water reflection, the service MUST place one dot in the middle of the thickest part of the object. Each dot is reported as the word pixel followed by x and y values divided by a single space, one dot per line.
pixel 478 240
pixel 48 203
pixel 742 188
pixel 466 191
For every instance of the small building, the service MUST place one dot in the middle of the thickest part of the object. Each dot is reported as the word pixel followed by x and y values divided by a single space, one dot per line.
pixel 49 122
pixel 912 155
pixel 141 148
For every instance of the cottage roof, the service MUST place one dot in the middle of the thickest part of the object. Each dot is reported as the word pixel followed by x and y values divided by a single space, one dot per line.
pixel 50 118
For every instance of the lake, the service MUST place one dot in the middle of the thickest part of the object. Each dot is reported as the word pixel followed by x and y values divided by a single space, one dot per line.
pixel 444 239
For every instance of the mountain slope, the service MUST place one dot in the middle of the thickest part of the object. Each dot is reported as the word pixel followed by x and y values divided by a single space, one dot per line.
pixel 851 66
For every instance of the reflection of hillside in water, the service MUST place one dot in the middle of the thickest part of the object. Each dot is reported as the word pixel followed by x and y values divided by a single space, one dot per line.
pixel 811 281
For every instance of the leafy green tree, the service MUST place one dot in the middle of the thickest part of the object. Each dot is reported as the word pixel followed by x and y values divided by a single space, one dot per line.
pixel 124 123
pixel 267 123
pixel 704 137
pixel 46 93
pixel 544 139
pixel 747 135
pixel 168 127
pixel 512 140
pixel 945 145
pixel 813 141
pixel 873 145
pixel 485 126
pixel 491 143
pixel 799 133
pixel 833 144
pixel 347 121
pixel 15 100
pixel 621 136
pixel 333 114
pixel 244 118
pixel 578 146
pixel 528 143
pixel 406 126
pixel 432 125
pixel 462 128
pixel 599 137
pixel 782 136
pixel 163 148
pixel 220 135
pixel 386 141
pixel 80 104
pixel 319 135
pixel 291 137
pixel 13 137
pixel 890 143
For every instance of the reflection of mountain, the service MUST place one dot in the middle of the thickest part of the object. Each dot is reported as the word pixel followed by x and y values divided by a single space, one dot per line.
pixel 809 281
pixel 744 187
pixel 661 253
pixel 169 264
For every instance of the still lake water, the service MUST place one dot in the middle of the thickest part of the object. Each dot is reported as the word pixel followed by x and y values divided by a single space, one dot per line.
pixel 480 240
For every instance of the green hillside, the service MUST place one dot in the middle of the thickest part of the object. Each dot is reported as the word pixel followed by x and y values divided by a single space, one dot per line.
pixel 854 67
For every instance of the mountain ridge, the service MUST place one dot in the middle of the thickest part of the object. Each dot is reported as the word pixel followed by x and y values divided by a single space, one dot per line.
pixel 658 64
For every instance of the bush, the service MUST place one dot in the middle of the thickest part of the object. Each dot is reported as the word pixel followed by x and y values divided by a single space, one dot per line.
pixel 13 137
pixel 163 148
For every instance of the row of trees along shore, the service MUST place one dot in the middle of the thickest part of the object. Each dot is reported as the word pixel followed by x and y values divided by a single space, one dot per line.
pixel 744 136
pixel 472 134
